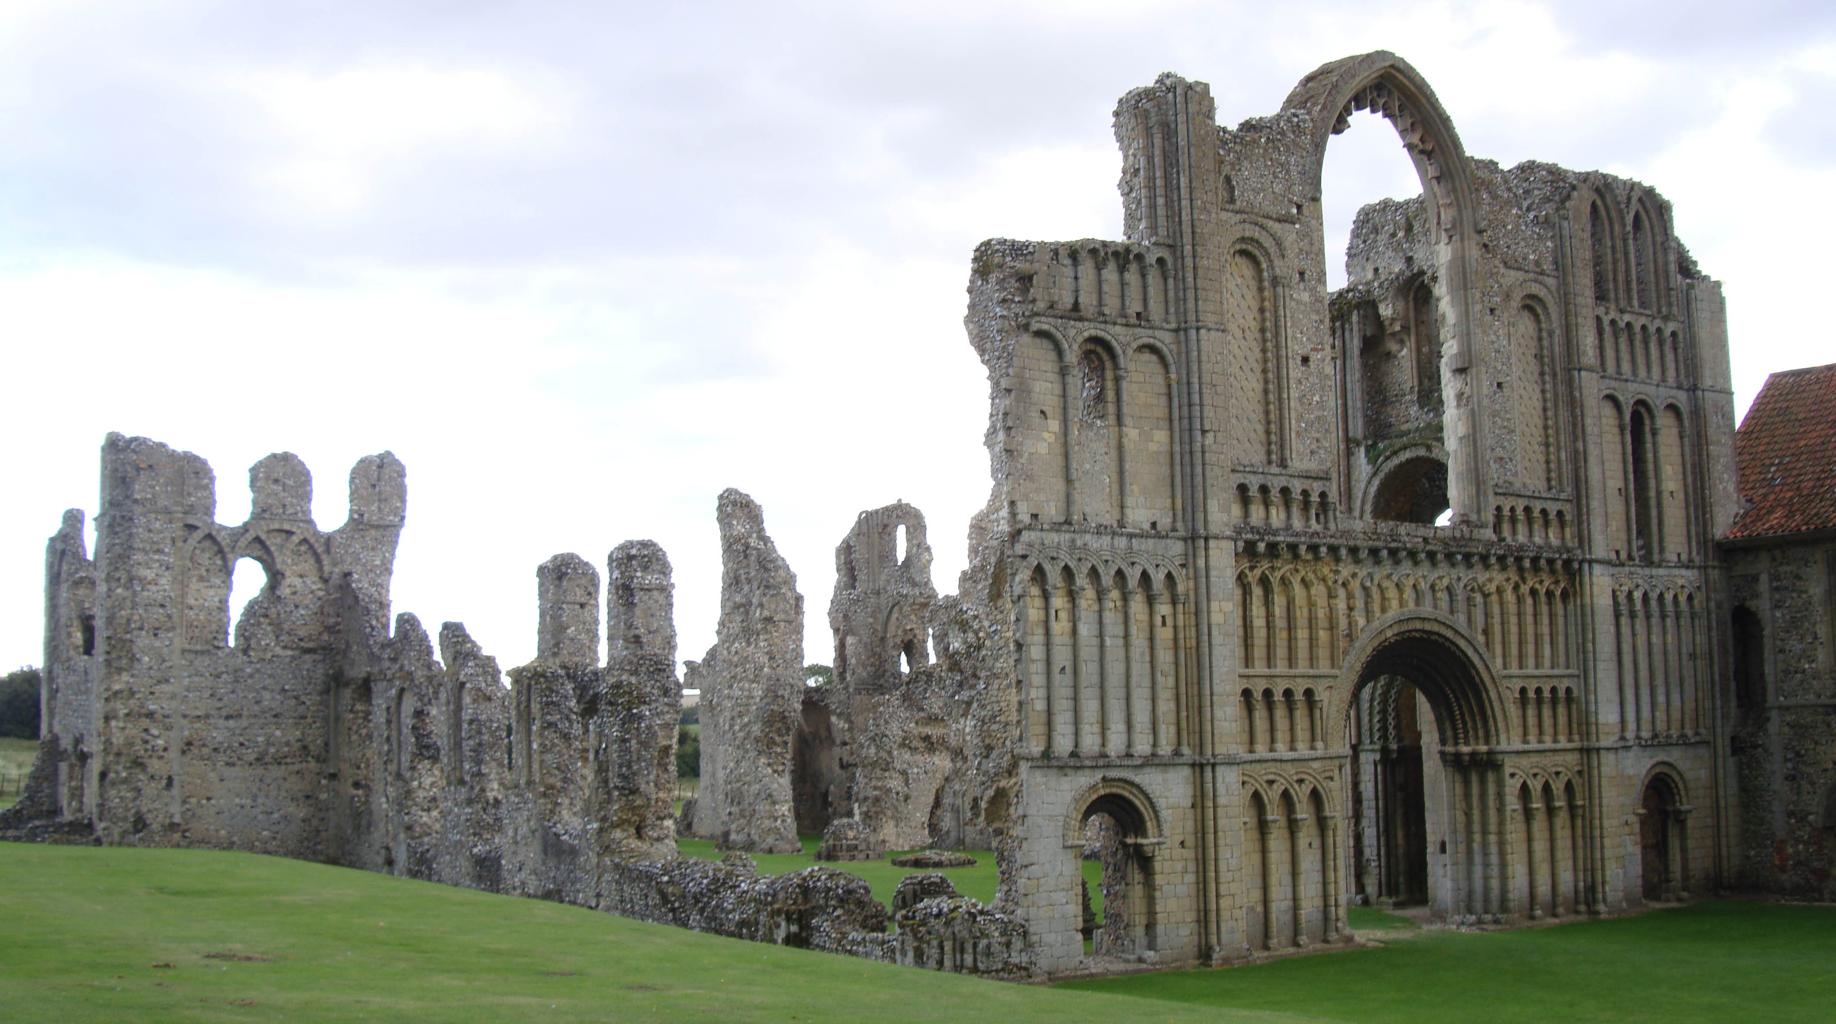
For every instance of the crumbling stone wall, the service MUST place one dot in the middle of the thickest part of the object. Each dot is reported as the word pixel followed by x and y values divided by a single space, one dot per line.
pixel 162 731
pixel 751 690
pixel 157 730
pixel 912 711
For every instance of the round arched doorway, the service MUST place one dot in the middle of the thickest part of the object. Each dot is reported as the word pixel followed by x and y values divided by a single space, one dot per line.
pixel 1115 834
pixel 1425 780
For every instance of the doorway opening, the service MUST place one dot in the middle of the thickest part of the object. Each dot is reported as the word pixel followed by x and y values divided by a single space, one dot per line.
pixel 1115 846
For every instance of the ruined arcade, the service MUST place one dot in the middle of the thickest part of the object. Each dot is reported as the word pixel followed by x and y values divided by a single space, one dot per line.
pixel 1283 599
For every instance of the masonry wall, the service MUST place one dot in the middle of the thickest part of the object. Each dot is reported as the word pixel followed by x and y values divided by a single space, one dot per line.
pixel 323 731
pixel 1561 626
pixel 1783 715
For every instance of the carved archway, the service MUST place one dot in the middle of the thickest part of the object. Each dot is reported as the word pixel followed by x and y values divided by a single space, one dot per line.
pixel 1129 835
pixel 1427 820
pixel 1385 84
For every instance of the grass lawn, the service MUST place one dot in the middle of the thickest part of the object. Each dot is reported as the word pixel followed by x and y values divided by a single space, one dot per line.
pixel 123 934
pixel 1723 961
pixel 15 761
pixel 1373 919
pixel 96 934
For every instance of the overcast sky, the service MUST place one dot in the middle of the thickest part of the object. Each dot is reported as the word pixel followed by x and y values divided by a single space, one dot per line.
pixel 581 266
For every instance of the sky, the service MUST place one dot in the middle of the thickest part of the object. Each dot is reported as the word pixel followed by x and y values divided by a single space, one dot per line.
pixel 583 266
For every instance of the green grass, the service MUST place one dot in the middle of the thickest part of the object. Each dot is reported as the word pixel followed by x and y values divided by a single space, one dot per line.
pixel 1373 919
pixel 1724 961
pixel 96 934
pixel 15 761
pixel 99 934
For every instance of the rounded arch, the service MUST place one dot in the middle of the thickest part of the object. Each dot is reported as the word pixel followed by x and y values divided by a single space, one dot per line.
pixel 1443 662
pixel 1669 779
pixel 1386 84
pixel 1048 333
pixel 1156 348
pixel 1097 338
pixel 1403 486
pixel 1127 804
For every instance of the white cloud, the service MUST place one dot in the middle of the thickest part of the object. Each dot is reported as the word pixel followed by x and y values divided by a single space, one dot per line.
pixel 336 136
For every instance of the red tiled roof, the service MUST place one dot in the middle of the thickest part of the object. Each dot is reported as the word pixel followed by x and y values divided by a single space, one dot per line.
pixel 1785 454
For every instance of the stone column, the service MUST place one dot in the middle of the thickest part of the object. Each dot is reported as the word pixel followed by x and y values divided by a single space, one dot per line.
pixel 1297 828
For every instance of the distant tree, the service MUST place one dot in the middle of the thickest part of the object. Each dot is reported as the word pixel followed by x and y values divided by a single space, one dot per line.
pixel 688 754
pixel 19 703
pixel 691 715
pixel 817 675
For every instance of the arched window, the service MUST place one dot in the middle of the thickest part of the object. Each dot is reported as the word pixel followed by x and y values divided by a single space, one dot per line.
pixel 1599 252
pixel 1642 262
pixel 1749 637
pixel 1425 345
pixel 1640 485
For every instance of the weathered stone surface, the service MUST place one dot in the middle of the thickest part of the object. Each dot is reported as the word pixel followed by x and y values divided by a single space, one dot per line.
pixel 934 859
pixel 641 706
pixel 751 686
pixel 915 889
pixel 843 840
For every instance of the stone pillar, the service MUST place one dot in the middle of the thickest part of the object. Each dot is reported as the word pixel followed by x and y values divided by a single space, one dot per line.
pixel 548 852
pixel 753 694
pixel 1297 828
pixel 1268 880
pixel 640 706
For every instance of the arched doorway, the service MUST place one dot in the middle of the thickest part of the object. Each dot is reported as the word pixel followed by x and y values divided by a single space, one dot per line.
pixel 1426 783
pixel 1116 830
pixel 1663 839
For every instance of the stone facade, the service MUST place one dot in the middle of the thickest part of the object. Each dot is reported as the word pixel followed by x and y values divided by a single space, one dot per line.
pixel 1238 631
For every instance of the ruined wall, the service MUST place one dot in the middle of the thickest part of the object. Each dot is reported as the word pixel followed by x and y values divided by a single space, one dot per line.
pixel 324 733
pixel 751 690
pixel 169 733
pixel 640 711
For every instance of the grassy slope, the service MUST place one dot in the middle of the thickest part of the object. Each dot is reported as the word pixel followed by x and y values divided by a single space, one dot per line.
pixel 1727 961
pixel 110 934
pixel 126 934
